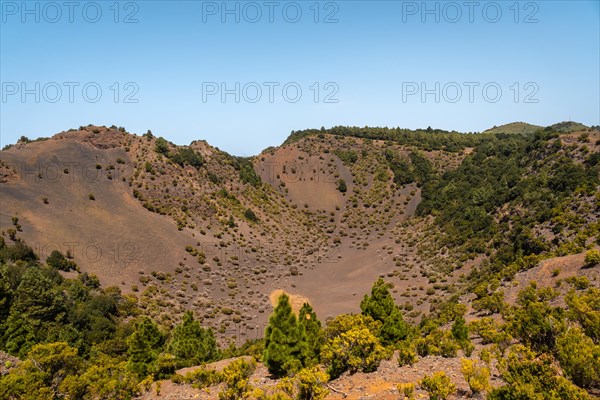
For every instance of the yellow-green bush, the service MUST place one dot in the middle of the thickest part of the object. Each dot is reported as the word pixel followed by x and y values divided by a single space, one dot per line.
pixel 579 357
pixel 531 376
pixel 438 386
pixel 236 378
pixel 407 390
pixel 477 376
pixel 352 345
pixel 406 354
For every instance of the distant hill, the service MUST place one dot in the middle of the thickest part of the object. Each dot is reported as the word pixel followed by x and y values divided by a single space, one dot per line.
pixel 569 126
pixel 525 128
pixel 514 128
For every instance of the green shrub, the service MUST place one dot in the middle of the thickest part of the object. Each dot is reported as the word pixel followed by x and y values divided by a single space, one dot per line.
pixel 161 146
pixel 250 216
pixel 579 282
pixel 467 348
pixel 246 170
pixel 144 347
pixel 448 347
pixel 438 342
pixel 199 378
pixel 42 373
pixel 187 156
pixel 59 261
pixel 421 347
pixel 347 156
pixel 486 328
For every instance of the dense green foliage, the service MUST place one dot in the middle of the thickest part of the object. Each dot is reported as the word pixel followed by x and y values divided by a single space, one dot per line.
pixel 17 251
pixel 74 341
pixel 425 139
pixel 460 331
pixel 477 376
pixel 348 157
pixel 40 306
pixel 477 204
pixel 419 169
pixel 78 340
pixel 245 169
pixel 250 215
pixel 43 374
pixel 57 260
pixel 535 322
pixel 161 146
pixel 592 258
pixel 187 156
pixel 182 156
pixel 235 376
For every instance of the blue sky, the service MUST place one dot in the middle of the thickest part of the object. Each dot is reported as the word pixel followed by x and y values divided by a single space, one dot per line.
pixel 164 66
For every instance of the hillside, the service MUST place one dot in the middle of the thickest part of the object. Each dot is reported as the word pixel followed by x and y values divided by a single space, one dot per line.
pixel 185 230
pixel 455 224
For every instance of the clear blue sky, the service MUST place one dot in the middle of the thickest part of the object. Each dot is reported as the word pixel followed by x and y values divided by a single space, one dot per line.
pixel 373 57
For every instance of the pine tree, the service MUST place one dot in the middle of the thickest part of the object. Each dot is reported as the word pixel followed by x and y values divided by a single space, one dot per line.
pixel 312 328
pixel 381 307
pixel 285 340
pixel 37 296
pixel 460 331
pixel 192 344
pixel 19 335
pixel 6 293
pixel 144 346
